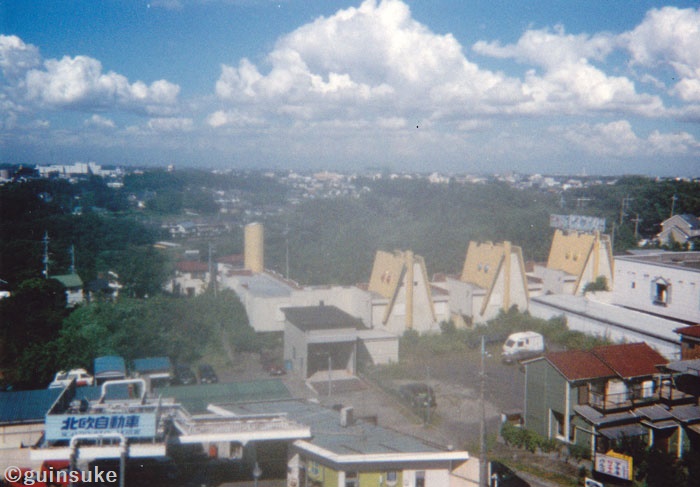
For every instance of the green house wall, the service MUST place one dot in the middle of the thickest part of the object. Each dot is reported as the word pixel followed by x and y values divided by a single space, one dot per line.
pixel 545 390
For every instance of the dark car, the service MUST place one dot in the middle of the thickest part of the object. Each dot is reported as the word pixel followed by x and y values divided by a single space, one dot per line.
pixel 276 369
pixel 503 476
pixel 184 376
pixel 418 395
pixel 207 374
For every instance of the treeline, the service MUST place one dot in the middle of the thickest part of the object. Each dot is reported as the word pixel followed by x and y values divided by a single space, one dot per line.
pixel 333 241
pixel 39 336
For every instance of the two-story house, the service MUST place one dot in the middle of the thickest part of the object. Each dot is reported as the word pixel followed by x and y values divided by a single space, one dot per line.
pixel 589 397
pixel 680 229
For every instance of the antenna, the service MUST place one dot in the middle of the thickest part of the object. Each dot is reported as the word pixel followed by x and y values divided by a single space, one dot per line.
pixel 674 198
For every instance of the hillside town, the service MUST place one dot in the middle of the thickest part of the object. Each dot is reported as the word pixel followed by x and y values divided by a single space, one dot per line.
pixel 317 411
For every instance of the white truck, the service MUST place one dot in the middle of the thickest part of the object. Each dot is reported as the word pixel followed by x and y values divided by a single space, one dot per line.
pixel 522 345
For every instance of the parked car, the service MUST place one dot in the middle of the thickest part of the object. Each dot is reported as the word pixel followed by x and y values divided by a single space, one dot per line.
pixel 503 476
pixel 276 369
pixel 207 374
pixel 418 395
pixel 183 375
pixel 522 345
pixel 63 378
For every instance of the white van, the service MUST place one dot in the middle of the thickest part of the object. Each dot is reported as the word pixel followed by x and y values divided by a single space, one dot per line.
pixel 522 345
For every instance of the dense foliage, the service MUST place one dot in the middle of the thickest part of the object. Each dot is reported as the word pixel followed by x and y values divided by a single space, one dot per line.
pixel 182 329
pixel 335 240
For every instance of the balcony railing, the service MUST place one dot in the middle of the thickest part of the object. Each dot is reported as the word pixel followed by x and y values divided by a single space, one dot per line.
pixel 622 400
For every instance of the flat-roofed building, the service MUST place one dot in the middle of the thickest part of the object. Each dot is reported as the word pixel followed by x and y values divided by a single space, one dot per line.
pixel 660 283
pixel 344 451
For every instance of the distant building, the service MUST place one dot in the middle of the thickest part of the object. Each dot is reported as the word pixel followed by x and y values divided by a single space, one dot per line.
pixel 493 279
pixel 680 229
pixel 191 278
pixel 74 288
pixel 401 294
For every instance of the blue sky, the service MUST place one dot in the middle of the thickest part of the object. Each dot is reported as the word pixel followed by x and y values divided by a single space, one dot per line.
pixel 556 87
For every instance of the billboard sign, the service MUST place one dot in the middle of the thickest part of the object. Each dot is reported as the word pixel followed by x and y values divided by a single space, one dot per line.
pixel 577 222
pixel 65 426
pixel 614 464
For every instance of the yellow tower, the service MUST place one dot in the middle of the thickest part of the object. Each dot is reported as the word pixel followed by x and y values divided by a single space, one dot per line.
pixel 254 253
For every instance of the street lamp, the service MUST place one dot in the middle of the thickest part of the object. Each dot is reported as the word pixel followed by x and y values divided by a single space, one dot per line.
pixel 257 472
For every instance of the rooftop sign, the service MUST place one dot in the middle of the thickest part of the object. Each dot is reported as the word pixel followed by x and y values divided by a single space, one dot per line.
pixel 577 222
pixel 65 426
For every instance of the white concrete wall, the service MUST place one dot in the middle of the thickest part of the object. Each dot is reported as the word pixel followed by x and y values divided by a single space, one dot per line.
pixel 623 332
pixel 381 351
pixel 295 349
pixel 635 288
pixel 14 436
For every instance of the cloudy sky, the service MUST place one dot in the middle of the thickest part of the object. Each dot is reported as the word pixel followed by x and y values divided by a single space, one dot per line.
pixel 547 86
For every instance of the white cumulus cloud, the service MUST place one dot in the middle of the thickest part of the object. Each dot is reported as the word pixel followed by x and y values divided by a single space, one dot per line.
pixel 670 37
pixel 79 82
pixel 170 124
pixel 99 121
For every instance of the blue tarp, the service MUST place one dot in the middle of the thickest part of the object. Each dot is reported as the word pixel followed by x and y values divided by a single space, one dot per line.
pixel 152 364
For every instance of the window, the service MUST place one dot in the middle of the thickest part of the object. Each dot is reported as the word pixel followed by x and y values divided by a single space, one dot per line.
pixel 420 478
pixel 661 292
pixel 351 479
pixel 392 478
pixel 582 393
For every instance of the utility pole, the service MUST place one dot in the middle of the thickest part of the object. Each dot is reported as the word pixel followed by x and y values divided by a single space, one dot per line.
pixel 46 255
pixel 212 273
pixel 624 207
pixel 674 198
pixel 72 259
pixel 582 202
pixel 483 466
pixel 286 246
pixel 636 221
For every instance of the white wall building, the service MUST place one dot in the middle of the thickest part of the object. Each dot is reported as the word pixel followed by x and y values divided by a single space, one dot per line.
pixel 660 283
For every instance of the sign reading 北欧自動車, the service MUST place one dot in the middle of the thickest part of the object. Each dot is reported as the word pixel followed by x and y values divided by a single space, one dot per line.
pixel 65 426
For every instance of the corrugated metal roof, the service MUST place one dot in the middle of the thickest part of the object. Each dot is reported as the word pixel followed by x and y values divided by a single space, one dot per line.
pixel 689 412
pixel 689 331
pixel 107 364
pixel 196 398
pixel 69 280
pixel 151 364
pixel 631 359
pixel 579 365
pixel 625 430
pixel 26 406
pixel 654 412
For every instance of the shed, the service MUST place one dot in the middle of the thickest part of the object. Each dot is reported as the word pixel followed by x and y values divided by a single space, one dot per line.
pixel 156 369
pixel 109 367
